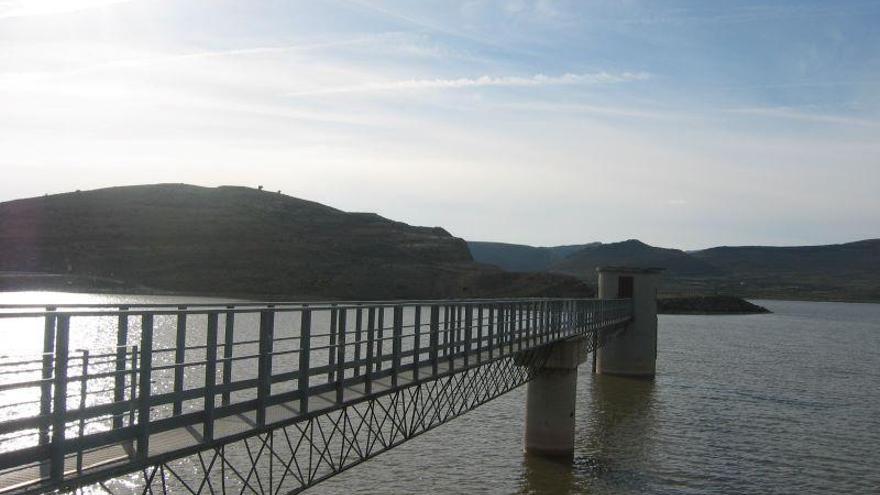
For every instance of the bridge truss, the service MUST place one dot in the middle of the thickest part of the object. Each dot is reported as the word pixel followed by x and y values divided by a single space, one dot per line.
pixel 292 458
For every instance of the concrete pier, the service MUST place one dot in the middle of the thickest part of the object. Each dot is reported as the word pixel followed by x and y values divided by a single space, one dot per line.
pixel 550 406
pixel 551 399
pixel 633 353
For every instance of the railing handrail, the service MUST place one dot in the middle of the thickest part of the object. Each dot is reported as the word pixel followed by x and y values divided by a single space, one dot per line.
pixel 246 302
pixel 363 343
pixel 248 307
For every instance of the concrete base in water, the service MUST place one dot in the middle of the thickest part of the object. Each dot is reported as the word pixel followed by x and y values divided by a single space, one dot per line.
pixel 550 408
pixel 634 352
pixel 552 395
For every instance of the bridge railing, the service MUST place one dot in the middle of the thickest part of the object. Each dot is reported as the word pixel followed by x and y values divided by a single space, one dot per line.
pixel 104 382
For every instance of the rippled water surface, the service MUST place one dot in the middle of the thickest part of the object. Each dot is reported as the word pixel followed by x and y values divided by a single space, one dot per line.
pixel 780 403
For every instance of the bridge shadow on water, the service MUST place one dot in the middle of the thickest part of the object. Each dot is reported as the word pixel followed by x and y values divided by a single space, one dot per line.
pixel 613 438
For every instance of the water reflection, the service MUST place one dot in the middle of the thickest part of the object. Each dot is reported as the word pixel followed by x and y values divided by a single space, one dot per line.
pixel 616 419
pixel 547 475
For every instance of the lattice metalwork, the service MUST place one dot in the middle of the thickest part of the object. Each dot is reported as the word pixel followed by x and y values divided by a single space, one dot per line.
pixel 294 457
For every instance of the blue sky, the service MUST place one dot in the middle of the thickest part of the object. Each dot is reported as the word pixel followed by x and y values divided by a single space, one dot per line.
pixel 685 124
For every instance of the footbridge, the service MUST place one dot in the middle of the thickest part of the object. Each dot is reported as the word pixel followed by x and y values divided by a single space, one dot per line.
pixel 276 397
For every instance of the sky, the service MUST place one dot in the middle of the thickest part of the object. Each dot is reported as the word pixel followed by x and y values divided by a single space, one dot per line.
pixel 685 124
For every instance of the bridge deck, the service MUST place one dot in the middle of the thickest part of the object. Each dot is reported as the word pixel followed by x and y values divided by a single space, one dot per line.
pixel 465 336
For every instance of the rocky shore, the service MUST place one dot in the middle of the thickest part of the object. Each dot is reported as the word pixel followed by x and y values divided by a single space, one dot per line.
pixel 707 305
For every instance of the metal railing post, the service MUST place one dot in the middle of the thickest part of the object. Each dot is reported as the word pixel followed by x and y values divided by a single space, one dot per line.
pixel 595 346
pixel 358 338
pixel 499 329
pixel 210 375
pixel 539 321
pixel 453 333
pixel 59 396
pixel 304 356
pixel 548 322
pixel 228 348
pixel 396 341
pixel 179 360
pixel 511 326
pixel 518 315
pixel 491 342
pixel 83 390
pixel 48 370
pixel 434 338
pixel 380 338
pixel 468 334
pixel 459 329
pixel 371 328
pixel 264 366
pixel 417 341
pixel 445 338
pixel 340 356
pixel 579 316
pixel 479 334
pixel 133 384
pixel 563 319
pixel 557 324
pixel 121 358
pixel 331 348
pixel 145 385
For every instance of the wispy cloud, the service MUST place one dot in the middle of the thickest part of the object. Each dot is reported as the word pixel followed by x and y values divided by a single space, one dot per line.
pixel 28 8
pixel 159 59
pixel 610 111
pixel 423 24
pixel 795 114
pixel 734 14
pixel 399 43
pixel 536 80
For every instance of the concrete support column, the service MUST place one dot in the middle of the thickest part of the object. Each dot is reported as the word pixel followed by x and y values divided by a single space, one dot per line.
pixel 550 401
pixel 633 352
pixel 550 405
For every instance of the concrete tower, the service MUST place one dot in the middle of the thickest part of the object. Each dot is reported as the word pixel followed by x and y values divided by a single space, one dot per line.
pixel 634 352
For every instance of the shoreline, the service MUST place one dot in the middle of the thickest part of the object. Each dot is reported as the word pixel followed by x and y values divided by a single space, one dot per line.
pixel 148 291
pixel 708 305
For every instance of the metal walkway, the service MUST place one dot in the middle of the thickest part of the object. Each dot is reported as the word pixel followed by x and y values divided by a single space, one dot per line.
pixel 257 397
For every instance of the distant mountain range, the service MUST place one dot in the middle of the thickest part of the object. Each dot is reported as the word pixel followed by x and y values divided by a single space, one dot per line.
pixel 520 258
pixel 237 241
pixel 848 271
pixel 241 242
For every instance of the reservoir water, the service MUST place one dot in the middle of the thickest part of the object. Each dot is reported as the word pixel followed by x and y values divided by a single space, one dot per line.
pixel 782 403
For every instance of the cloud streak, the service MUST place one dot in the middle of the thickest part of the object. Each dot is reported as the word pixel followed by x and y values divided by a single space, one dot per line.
pixel 160 59
pixel 485 81
pixel 28 8
pixel 794 114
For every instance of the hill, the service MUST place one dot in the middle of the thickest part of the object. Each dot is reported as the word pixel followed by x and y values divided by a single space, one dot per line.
pixel 847 272
pixel 583 263
pixel 520 258
pixel 853 258
pixel 239 241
